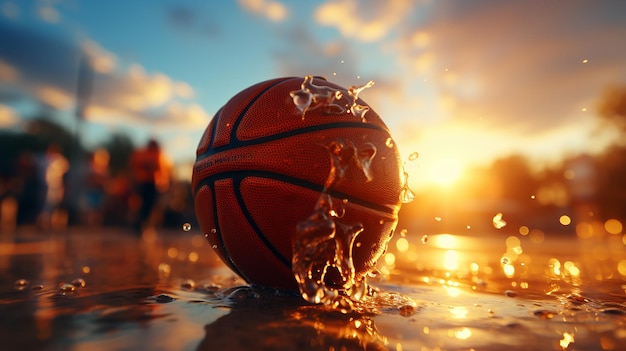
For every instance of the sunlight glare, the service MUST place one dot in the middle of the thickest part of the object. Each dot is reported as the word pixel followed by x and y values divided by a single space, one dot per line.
pixel 445 241
pixel 446 172
pixel 451 260
pixel 567 339
pixel 463 333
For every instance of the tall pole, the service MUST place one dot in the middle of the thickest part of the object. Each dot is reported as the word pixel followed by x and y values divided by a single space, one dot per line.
pixel 77 163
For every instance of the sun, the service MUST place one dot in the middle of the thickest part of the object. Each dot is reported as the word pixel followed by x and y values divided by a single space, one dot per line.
pixel 446 172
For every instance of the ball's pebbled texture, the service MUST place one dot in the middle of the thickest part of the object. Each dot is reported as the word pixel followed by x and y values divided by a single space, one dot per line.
pixel 260 169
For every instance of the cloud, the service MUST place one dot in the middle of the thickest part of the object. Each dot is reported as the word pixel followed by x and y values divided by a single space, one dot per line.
pixel 369 20
pixel 8 117
pixel 9 10
pixel 303 54
pixel 271 10
pixel 479 80
pixel 48 71
pixel 189 19
pixel 7 72
pixel 100 60
pixel 504 62
pixel 48 14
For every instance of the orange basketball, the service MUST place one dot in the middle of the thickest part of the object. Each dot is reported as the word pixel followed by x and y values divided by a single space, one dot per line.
pixel 261 167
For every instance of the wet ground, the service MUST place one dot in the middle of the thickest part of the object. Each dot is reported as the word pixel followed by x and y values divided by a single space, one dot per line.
pixel 108 289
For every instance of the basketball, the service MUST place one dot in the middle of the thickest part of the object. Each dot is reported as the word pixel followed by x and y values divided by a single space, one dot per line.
pixel 261 166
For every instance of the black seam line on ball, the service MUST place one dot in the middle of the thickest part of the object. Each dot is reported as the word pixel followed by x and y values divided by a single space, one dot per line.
pixel 310 129
pixel 253 224
pixel 218 233
pixel 239 118
pixel 233 132
pixel 294 181
pixel 214 131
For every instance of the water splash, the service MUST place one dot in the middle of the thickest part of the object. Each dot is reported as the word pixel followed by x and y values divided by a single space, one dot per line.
pixel 406 194
pixel 79 282
pixel 323 244
pixel 356 109
pixel 498 222
pixel 335 101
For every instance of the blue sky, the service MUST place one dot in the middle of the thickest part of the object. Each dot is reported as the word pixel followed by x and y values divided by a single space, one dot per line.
pixel 460 82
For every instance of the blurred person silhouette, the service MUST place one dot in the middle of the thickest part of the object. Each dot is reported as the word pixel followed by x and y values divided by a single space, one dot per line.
pixel 95 180
pixel 29 185
pixel 54 167
pixel 150 174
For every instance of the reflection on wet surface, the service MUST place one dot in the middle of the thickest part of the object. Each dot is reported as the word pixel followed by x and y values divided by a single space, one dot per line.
pixel 104 289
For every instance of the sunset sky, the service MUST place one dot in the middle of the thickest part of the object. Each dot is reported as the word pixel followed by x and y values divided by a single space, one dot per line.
pixel 459 82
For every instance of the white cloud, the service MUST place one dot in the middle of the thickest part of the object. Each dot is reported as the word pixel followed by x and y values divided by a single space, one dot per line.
pixel 363 20
pixel 48 14
pixel 272 10
pixel 8 117
pixel 8 73
pixel 99 59
pixel 9 10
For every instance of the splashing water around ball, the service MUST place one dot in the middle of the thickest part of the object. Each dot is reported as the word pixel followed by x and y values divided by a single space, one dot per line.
pixel 297 185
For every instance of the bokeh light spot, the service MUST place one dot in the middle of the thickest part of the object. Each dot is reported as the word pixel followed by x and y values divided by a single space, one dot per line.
pixel 613 226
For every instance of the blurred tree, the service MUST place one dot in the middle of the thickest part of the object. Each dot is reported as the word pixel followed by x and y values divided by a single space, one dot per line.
pixel 611 183
pixel 120 147
pixel 612 106
pixel 39 133
pixel 514 177
pixel 46 132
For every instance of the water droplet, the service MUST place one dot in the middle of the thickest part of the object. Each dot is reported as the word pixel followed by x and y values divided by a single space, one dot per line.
pixel 510 293
pixel 211 288
pixel 389 142
pixel 544 314
pixel 438 219
pixel 213 231
pixel 79 282
pixel 187 227
pixel 214 246
pixel 67 289
pixel 302 99
pixel 424 239
pixel 243 293
pixel 498 222
pixel 163 298
pixel 413 156
pixel 613 311
pixel 504 260
pixel 37 287
pixel 406 195
pixel 406 310
pixel 188 284
pixel 403 233
pixel 358 244
pixel 21 284
pixel 373 273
